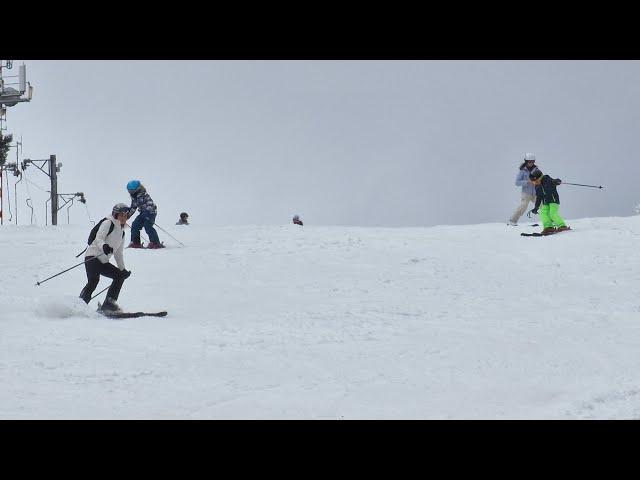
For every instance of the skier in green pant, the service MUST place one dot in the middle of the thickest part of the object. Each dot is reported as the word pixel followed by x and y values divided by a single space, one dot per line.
pixel 547 195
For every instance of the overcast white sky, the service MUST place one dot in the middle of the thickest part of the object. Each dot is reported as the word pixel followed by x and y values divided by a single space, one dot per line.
pixel 370 143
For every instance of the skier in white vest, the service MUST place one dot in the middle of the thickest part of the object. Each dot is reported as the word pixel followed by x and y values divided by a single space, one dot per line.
pixel 108 242
pixel 528 191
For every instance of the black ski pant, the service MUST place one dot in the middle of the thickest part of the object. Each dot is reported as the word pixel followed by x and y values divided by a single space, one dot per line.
pixel 95 268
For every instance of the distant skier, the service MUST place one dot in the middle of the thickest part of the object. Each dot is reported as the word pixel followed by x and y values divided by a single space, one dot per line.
pixel 109 240
pixel 296 220
pixel 184 219
pixel 547 195
pixel 141 201
pixel 528 192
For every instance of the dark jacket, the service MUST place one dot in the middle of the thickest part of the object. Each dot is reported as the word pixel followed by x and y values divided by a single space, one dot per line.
pixel 546 192
pixel 142 202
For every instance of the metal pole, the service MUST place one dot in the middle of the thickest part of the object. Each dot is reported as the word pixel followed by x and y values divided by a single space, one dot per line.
pixel 142 234
pixel 54 189
pixel 15 196
pixel 169 234
pixel 581 185
pixel 99 292
pixel 15 185
pixel 71 268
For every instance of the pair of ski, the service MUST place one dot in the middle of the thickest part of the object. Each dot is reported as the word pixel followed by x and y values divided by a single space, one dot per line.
pixel 542 234
pixel 111 314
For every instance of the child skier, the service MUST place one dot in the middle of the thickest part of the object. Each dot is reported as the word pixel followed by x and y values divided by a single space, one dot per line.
pixel 184 219
pixel 141 201
pixel 547 195
pixel 109 240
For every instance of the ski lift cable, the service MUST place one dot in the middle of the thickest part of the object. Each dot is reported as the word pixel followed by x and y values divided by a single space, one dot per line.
pixel 33 213
pixel 88 215
pixel 15 193
pixel 8 198
pixel 36 185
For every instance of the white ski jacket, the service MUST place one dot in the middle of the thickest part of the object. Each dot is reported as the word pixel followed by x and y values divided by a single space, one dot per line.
pixel 115 240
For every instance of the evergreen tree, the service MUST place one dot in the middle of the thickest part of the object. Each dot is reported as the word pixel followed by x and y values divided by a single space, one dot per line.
pixel 5 142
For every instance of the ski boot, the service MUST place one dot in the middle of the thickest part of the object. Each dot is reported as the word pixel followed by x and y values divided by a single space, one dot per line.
pixel 155 245
pixel 563 228
pixel 109 306
pixel 548 231
pixel 135 245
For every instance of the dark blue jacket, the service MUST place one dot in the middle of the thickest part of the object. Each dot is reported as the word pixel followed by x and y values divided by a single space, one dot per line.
pixel 546 192
pixel 142 202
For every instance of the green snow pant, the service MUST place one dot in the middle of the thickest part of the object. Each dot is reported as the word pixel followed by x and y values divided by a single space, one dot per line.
pixel 550 216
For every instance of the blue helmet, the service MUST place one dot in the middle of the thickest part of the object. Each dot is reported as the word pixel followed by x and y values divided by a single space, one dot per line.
pixel 133 185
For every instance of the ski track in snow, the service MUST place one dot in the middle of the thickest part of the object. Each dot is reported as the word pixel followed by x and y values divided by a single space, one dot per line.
pixel 447 322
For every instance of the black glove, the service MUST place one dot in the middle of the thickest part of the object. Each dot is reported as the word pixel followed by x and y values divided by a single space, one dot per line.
pixel 126 274
pixel 557 181
pixel 534 211
pixel 106 248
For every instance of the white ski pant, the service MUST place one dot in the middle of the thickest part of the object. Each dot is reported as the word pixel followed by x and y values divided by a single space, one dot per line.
pixel 524 204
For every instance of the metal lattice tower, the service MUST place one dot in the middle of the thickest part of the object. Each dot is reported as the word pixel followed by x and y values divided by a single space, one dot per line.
pixel 12 91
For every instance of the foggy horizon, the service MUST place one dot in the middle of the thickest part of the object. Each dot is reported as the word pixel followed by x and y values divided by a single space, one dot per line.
pixel 361 143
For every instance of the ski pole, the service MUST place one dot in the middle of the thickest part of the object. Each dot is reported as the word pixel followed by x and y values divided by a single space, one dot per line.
pixel 81 263
pixel 143 235
pixel 169 234
pixel 581 185
pixel 99 292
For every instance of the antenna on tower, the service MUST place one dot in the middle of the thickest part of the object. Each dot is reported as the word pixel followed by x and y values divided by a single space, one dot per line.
pixel 10 96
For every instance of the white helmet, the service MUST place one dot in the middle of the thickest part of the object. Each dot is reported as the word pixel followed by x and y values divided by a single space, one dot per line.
pixel 119 208
pixel 529 156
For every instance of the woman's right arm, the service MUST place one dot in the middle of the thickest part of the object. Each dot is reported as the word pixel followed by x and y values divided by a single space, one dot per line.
pixel 522 178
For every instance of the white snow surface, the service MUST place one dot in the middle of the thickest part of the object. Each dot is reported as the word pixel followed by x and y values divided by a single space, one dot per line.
pixel 328 322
